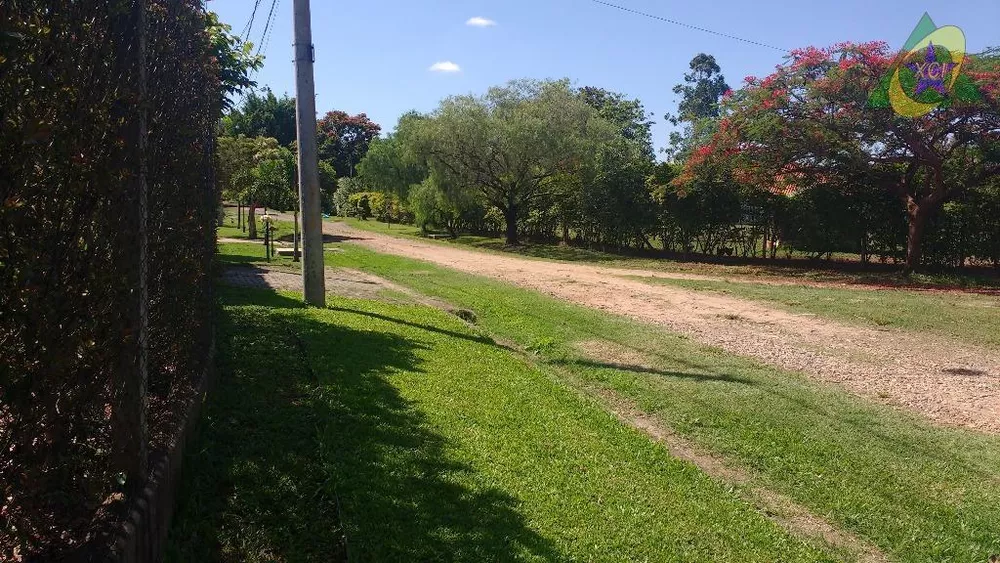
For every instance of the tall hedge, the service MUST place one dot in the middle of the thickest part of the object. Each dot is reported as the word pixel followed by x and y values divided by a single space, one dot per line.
pixel 78 423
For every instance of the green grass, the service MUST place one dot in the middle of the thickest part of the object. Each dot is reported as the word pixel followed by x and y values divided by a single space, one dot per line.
pixel 253 253
pixel 968 317
pixel 377 432
pixel 917 491
pixel 651 261
pixel 228 229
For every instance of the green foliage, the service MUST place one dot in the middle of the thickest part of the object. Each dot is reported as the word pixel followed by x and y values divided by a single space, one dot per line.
pixel 616 209
pixel 76 428
pixel 629 115
pixel 273 182
pixel 347 187
pixel 511 143
pixel 236 157
pixel 343 140
pixel 385 208
pixel 263 115
pixel 234 57
pixel 393 164
pixel 327 187
pixel 698 109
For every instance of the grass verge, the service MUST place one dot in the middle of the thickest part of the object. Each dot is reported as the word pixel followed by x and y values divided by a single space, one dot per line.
pixel 964 316
pixel 378 432
pixel 917 491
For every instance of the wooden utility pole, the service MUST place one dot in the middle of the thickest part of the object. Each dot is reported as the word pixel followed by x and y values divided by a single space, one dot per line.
pixel 305 115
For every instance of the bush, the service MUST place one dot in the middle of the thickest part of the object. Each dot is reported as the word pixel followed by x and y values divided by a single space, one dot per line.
pixel 75 430
pixel 385 208
pixel 346 187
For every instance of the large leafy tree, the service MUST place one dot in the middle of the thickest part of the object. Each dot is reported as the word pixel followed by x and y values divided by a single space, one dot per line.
pixel 513 143
pixel 698 109
pixel 239 158
pixel 812 123
pixel 629 116
pixel 263 115
pixel 343 140
pixel 393 164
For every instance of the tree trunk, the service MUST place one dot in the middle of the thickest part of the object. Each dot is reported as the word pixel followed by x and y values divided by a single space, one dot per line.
pixel 295 237
pixel 918 215
pixel 252 222
pixel 565 233
pixel 510 216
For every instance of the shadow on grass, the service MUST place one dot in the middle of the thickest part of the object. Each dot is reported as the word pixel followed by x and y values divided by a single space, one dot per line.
pixel 307 452
pixel 239 259
pixel 651 371
pixel 473 338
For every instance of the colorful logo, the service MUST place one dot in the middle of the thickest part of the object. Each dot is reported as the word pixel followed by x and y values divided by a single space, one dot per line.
pixel 928 75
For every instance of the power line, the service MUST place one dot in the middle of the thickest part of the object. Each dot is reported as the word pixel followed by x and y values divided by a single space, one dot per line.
pixel 249 26
pixel 267 27
pixel 270 32
pixel 689 26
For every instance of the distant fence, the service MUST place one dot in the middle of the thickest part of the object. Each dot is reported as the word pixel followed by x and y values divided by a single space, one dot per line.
pixel 107 209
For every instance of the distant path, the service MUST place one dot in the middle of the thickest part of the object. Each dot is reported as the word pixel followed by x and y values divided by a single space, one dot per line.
pixel 948 382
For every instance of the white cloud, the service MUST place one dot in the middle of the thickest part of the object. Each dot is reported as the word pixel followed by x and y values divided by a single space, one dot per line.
pixel 480 22
pixel 445 66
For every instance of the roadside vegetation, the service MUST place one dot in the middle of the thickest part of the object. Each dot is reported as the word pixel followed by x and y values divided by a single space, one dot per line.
pixel 915 490
pixel 751 173
pixel 653 260
pixel 382 432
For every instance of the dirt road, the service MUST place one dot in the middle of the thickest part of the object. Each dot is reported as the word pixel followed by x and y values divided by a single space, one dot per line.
pixel 949 382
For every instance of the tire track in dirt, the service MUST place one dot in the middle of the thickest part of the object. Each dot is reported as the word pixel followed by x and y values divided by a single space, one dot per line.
pixel 948 382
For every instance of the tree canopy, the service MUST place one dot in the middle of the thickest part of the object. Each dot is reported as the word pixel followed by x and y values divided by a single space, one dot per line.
pixel 813 122
pixel 698 109
pixel 343 140
pixel 263 115
pixel 514 142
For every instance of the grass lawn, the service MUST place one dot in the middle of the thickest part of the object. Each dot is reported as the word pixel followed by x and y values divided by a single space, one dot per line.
pixel 649 261
pixel 253 253
pixel 917 491
pixel 968 317
pixel 230 230
pixel 377 432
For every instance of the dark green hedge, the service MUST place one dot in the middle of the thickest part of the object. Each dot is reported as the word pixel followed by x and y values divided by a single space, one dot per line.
pixel 73 445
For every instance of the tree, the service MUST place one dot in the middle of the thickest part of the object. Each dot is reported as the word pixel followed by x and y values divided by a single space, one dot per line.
pixel 238 158
pixel 628 115
pixel 698 108
pixel 263 116
pixel 342 204
pixel 393 164
pixel 812 122
pixel 610 198
pixel 327 186
pixel 616 209
pixel 343 140
pixel 513 142
pixel 273 183
pixel 235 59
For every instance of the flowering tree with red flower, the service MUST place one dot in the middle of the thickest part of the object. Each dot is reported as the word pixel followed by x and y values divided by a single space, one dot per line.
pixel 343 140
pixel 812 122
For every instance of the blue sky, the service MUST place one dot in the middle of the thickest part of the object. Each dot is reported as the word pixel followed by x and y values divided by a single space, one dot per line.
pixel 374 56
